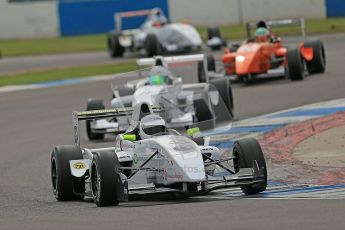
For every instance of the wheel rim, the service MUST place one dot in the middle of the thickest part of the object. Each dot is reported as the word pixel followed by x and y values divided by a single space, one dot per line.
pixel 95 182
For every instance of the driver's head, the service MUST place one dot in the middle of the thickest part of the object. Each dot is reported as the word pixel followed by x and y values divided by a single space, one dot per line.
pixel 151 125
pixel 261 24
pixel 158 17
pixel 159 75
pixel 262 34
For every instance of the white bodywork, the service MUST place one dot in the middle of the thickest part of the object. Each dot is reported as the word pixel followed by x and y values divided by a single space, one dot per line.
pixel 155 95
pixel 178 159
pixel 161 161
pixel 172 37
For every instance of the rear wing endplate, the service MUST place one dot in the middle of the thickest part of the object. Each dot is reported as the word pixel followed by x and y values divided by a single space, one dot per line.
pixel 101 114
pixel 280 23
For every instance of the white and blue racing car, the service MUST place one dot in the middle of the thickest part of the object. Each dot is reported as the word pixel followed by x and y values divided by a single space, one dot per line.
pixel 150 158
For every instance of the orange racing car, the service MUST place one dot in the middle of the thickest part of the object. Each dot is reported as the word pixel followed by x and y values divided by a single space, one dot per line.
pixel 264 55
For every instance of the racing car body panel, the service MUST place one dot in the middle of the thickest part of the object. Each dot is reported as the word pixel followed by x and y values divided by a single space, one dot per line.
pixel 307 52
pixel 256 58
pixel 179 98
pixel 156 35
pixel 252 58
pixel 173 38
pixel 178 157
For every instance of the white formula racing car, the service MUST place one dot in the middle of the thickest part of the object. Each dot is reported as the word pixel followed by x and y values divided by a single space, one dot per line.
pixel 150 158
pixel 158 85
pixel 157 36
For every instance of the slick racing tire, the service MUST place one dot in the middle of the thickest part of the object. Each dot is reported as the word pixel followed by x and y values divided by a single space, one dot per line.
pixel 106 184
pixel 203 111
pixel 114 46
pixel 295 63
pixel 151 45
pixel 93 104
pixel 225 91
pixel 211 66
pixel 318 63
pixel 246 151
pixel 65 186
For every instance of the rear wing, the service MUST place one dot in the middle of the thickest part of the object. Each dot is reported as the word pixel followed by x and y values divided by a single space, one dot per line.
pixel 102 114
pixel 130 14
pixel 171 60
pixel 176 60
pixel 279 23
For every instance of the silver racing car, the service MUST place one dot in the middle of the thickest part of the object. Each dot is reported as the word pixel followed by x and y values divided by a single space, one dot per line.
pixel 157 36
pixel 163 83
pixel 150 158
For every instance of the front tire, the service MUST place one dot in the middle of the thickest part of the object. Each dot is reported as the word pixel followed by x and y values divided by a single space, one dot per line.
pixel 106 181
pixel 93 104
pixel 295 63
pixel 151 45
pixel 65 185
pixel 114 46
pixel 246 151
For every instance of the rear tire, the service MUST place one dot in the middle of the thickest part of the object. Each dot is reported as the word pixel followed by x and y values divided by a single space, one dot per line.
pixel 65 185
pixel 295 63
pixel 318 63
pixel 211 66
pixel 247 150
pixel 114 47
pixel 151 45
pixel 93 104
pixel 225 91
pixel 105 179
pixel 202 110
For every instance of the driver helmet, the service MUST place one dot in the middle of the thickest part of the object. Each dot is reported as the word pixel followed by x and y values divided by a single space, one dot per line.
pixel 262 34
pixel 151 125
pixel 159 75
pixel 158 17
pixel 262 24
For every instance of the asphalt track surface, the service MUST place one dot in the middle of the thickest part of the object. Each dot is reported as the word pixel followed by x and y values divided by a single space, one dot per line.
pixel 33 121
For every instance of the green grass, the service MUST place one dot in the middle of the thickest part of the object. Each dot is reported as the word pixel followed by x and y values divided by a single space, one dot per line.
pixel 98 42
pixel 23 47
pixel 65 73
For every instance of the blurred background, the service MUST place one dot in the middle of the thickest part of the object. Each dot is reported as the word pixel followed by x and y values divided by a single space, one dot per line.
pixel 51 18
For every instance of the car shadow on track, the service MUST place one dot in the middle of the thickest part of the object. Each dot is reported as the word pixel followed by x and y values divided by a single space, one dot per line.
pixel 156 200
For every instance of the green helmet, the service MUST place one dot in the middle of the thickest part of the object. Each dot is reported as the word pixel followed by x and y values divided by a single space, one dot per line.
pixel 159 75
pixel 261 32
